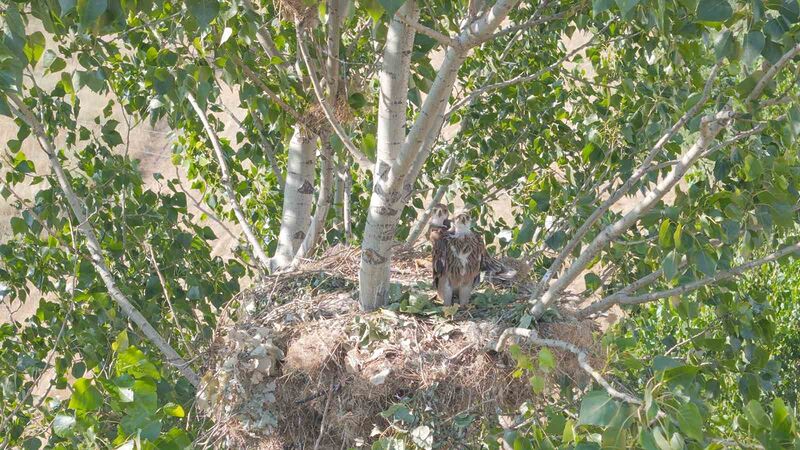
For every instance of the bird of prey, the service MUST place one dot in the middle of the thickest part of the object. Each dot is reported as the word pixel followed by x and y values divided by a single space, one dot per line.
pixel 462 252
pixel 438 233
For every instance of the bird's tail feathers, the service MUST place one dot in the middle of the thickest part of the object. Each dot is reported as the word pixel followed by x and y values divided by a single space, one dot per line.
pixel 496 270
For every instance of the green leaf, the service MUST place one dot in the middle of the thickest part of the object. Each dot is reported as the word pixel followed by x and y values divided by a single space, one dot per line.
pixel 664 236
pixel 752 168
pixel 690 421
pixel 537 383
pixel 203 11
pixel 705 263
pixel 670 265
pixel 174 410
pixel 357 100
pixel 626 5
pixel 90 10
pixel 599 6
pixel 133 362
pixel 34 47
pixel 526 232
pixel 597 408
pixel 756 416
pixel 33 443
pixel 794 120
pixel 391 6
pixel 547 361
pixel 753 45
pixel 18 225
pixel 85 397
pixel 724 45
pixel 556 240
pixel 714 11
pixel 593 282
pixel 63 425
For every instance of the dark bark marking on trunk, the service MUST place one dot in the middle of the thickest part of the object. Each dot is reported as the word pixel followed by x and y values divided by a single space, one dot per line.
pixel 373 257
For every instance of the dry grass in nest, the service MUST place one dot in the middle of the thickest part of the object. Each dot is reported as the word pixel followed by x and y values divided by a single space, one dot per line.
pixel 301 11
pixel 342 111
pixel 581 334
pixel 314 118
pixel 300 350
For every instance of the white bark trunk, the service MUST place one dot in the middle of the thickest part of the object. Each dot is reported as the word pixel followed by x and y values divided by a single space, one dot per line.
pixel 323 206
pixel 392 182
pixel 384 210
pixel 298 197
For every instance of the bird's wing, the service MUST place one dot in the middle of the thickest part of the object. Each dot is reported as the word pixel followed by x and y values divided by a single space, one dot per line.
pixel 439 256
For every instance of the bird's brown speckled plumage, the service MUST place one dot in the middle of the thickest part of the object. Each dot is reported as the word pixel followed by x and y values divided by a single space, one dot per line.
pixel 438 233
pixel 463 253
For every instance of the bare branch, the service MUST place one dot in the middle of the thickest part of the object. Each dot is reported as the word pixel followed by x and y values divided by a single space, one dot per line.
pixel 722 275
pixel 95 250
pixel 361 159
pixel 270 93
pixel 265 40
pixel 771 72
pixel 481 29
pixel 580 353
pixel 535 21
pixel 522 78
pixel 642 170
pixel 710 126
pixel 441 38
pixel 225 180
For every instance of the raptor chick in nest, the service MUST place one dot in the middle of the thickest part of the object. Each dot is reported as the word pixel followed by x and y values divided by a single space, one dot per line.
pixel 459 256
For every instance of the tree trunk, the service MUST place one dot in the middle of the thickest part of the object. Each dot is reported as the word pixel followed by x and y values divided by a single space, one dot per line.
pixel 384 209
pixel 323 204
pixel 298 197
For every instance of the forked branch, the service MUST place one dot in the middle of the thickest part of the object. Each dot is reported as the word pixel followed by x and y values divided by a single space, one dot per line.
pixel 361 159
pixel 722 275
pixel 227 187
pixel 580 353
pixel 22 111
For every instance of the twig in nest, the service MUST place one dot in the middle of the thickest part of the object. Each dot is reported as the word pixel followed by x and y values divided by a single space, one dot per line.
pixel 533 338
pixel 333 388
pixel 336 387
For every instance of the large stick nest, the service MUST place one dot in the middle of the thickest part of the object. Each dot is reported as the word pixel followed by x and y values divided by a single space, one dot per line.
pixel 300 358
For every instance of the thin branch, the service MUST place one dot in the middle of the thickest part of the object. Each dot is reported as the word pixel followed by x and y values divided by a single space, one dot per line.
pixel 722 275
pixel 441 38
pixel 535 21
pixel 265 40
pixel 641 171
pixel 522 78
pixel 770 74
pixel 163 282
pixel 710 127
pixel 96 251
pixel 225 180
pixel 270 93
pixel 580 353
pixel 361 159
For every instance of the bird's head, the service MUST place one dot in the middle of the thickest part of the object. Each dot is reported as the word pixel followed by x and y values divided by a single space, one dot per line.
pixel 439 214
pixel 462 224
